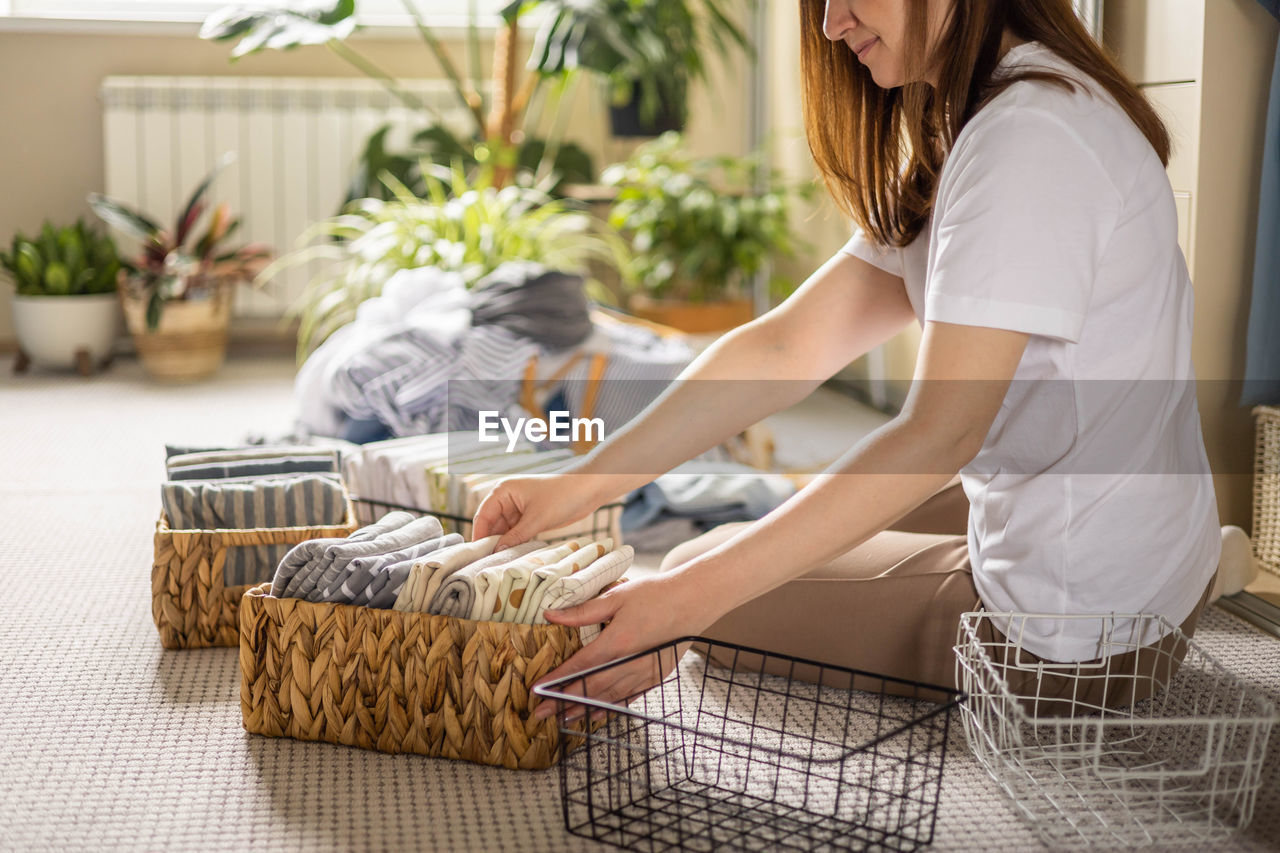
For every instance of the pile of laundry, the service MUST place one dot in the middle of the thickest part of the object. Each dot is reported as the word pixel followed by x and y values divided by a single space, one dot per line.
pixel 252 487
pixel 429 354
pixel 410 564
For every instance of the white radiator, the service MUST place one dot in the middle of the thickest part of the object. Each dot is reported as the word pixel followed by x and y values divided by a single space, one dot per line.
pixel 296 141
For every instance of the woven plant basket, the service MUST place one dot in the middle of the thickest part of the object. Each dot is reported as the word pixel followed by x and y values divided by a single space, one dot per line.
pixel 191 606
pixel 1266 487
pixel 398 682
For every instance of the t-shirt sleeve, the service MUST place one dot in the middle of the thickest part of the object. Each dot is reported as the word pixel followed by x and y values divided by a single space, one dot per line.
pixel 1024 214
pixel 888 258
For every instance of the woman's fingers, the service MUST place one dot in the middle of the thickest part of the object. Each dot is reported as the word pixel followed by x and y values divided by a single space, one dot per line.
pixel 491 517
pixel 593 612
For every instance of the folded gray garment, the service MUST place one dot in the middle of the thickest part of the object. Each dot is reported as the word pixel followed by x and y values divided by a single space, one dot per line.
pixel 327 573
pixel 240 454
pixel 545 305
pixel 457 594
pixel 255 468
pixel 376 581
pixel 307 500
pixel 302 555
pixel 251 564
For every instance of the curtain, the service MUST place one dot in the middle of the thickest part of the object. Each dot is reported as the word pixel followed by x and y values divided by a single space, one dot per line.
pixel 1262 363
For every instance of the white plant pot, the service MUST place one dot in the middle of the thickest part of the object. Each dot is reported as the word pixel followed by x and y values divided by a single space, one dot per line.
pixel 51 329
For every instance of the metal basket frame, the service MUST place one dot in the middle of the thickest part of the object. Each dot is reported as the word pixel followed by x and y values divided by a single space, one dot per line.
pixel 1179 768
pixel 765 752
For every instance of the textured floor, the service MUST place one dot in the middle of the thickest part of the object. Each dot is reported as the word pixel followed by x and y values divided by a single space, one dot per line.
pixel 109 742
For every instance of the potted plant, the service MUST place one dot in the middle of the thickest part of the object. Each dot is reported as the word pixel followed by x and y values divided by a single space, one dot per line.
pixel 65 312
pixel 465 225
pixel 502 127
pixel 177 293
pixel 699 228
pixel 648 51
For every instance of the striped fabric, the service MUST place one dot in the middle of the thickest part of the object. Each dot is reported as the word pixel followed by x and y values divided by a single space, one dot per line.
pixel 640 366
pixel 407 380
pixel 324 463
pixel 305 501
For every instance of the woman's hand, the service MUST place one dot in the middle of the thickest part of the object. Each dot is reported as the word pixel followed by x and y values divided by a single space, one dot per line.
pixel 520 508
pixel 640 614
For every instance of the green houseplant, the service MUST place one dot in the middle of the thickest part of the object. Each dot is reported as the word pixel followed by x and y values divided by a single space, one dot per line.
pixel 699 229
pixel 502 132
pixel 466 225
pixel 177 292
pixel 649 51
pixel 64 307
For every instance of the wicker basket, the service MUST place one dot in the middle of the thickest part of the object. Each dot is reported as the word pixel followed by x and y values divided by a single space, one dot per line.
pixel 191 606
pixel 398 682
pixel 1266 488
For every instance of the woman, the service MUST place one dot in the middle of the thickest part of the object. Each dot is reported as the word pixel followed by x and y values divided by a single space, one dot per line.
pixel 1031 230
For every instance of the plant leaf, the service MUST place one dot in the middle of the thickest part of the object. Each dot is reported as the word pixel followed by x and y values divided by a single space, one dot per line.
pixel 124 218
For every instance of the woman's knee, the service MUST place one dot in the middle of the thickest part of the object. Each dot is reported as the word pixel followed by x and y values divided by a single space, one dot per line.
pixel 699 545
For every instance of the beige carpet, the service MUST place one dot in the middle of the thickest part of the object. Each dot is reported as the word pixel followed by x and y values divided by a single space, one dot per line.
pixel 108 742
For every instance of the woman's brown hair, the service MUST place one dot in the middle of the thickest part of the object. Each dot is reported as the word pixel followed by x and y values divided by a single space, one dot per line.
pixel 880 151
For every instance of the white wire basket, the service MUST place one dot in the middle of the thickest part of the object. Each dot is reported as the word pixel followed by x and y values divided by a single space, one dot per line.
pixel 1175 762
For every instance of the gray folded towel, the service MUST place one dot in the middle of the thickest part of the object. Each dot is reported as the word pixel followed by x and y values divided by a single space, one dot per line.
pixel 301 558
pixel 327 576
pixel 376 581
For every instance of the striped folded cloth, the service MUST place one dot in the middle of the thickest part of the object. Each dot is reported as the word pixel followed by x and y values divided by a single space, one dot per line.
pixel 308 500
pixel 397 531
pixel 308 557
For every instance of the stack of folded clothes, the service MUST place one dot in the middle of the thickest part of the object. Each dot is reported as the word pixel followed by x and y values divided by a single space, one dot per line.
pixel 254 487
pixel 409 564
pixel 447 474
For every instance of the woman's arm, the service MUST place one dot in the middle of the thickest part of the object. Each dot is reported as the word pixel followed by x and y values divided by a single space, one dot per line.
pixel 962 375
pixel 845 309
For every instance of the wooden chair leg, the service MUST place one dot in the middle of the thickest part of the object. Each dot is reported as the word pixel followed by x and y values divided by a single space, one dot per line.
pixel 21 362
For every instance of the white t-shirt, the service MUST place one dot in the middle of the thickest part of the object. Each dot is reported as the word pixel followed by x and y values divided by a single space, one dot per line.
pixel 1092 492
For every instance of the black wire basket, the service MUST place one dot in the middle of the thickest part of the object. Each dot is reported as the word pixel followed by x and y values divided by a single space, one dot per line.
pixel 605 521
pixel 741 749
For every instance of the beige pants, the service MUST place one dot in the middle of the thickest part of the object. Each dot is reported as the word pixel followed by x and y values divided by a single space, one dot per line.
pixel 892 605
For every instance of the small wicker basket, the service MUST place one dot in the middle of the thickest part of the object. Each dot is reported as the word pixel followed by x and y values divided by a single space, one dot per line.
pixel 190 604
pixel 398 682
pixel 1266 488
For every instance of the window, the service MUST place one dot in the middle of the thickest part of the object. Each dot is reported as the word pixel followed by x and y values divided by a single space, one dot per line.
pixel 444 13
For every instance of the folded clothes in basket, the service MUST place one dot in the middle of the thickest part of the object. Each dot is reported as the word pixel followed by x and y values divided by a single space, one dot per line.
pixel 305 557
pixel 309 500
pixel 427 574
pixel 457 594
pixel 408 564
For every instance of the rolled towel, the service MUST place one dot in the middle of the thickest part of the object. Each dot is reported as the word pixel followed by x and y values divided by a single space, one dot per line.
pixel 324 581
pixel 457 594
pixel 304 554
pixel 574 589
pixel 426 574
pixel 500 589
pixel 541 579
pixel 376 581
